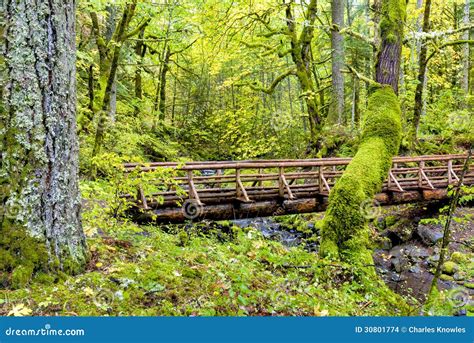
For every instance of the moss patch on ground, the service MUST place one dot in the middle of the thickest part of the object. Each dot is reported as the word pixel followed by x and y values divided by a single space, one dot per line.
pixel 136 272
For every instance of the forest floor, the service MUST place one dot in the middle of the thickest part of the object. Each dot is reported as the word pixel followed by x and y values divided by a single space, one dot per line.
pixel 227 269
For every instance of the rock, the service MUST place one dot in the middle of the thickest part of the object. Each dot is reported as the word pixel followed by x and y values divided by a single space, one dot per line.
pixel 429 235
pixel 414 251
pixel 398 277
pixel 415 269
pixel 449 267
pixel 396 251
pixel 433 260
pixel 399 264
pixel 459 276
pixel 445 277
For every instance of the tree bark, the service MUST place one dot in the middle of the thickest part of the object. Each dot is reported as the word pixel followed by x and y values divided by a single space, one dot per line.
pixel 337 54
pixel 465 53
pixel 164 72
pixel 387 67
pixel 39 147
pixel 423 63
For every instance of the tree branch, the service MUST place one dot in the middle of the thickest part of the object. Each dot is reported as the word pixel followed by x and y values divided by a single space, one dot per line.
pixel 136 30
pixel 360 76
pixel 450 43
pixel 276 81
pixel 354 34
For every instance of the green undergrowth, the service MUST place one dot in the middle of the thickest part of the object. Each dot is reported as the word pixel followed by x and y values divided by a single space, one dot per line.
pixel 146 271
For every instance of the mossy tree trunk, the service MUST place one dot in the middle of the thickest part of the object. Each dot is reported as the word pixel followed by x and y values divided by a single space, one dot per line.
pixel 345 231
pixel 40 201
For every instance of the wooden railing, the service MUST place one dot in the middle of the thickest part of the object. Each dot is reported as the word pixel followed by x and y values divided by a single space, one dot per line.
pixel 230 182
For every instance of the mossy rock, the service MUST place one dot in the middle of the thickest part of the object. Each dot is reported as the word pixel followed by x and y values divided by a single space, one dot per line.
pixel 469 285
pixel 445 277
pixel 449 267
pixel 390 221
pixel 459 257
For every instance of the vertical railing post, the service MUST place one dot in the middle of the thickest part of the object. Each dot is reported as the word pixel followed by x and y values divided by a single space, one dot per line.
pixel 450 170
pixel 239 187
pixel 320 179
pixel 421 165
pixel 192 193
pixel 281 186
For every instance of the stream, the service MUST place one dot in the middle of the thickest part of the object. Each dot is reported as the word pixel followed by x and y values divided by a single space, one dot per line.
pixel 408 252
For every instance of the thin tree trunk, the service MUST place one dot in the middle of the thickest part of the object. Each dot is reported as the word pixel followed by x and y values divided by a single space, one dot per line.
pixel 39 146
pixel 140 50
pixel 90 85
pixel 164 72
pixel 447 230
pixel 337 54
pixel 465 53
pixel 420 87
pixel 102 123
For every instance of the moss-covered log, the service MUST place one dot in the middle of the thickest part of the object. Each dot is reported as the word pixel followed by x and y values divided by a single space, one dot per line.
pixel 345 230
pixel 40 205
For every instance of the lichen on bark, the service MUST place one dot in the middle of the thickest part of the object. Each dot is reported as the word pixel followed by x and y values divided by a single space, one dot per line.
pixel 39 148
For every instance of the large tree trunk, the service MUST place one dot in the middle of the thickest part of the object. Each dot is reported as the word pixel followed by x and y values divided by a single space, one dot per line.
pixel 40 225
pixel 345 232
pixel 337 55
pixel 422 61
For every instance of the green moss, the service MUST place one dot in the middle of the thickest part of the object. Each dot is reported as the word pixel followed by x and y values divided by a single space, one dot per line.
pixel 449 267
pixel 469 285
pixel 393 13
pixel 20 254
pixel 445 277
pixel 390 221
pixel 459 257
pixel 21 276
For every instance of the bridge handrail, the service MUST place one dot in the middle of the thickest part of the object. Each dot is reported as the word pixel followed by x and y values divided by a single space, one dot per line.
pixel 283 163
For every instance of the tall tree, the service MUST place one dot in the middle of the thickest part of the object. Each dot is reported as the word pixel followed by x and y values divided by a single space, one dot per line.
pixel 40 222
pixel 422 63
pixel 345 232
pixel 299 49
pixel 337 55
pixel 465 51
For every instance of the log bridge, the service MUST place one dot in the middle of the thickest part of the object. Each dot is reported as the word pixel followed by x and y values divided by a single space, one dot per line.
pixel 223 190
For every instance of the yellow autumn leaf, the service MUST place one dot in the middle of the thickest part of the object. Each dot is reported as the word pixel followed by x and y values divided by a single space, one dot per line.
pixel 88 291
pixel 320 313
pixel 20 310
